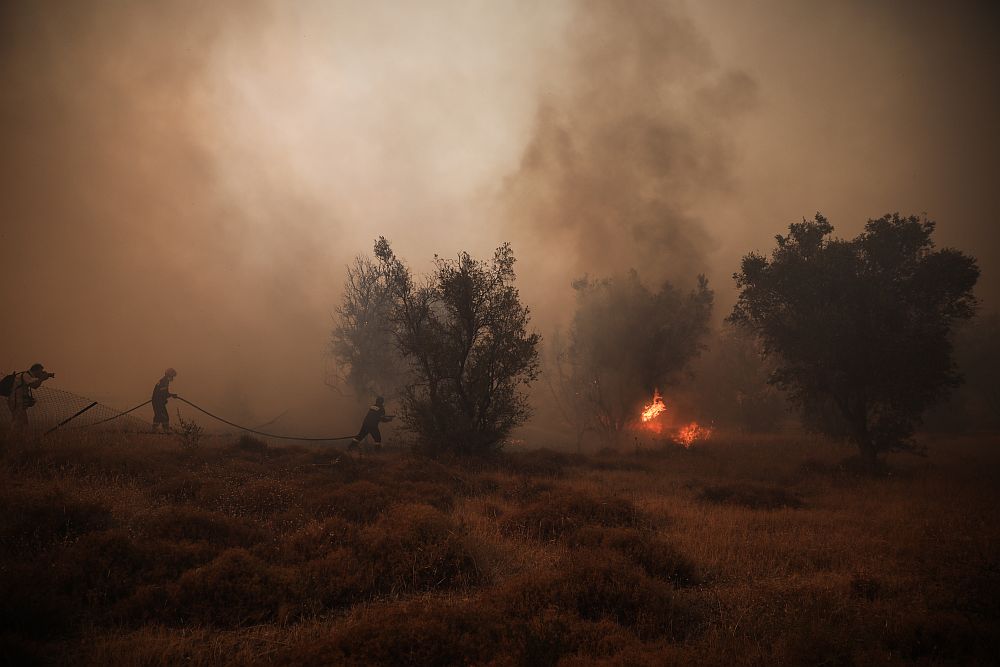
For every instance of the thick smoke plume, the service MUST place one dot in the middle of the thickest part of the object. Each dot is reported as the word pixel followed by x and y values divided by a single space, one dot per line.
pixel 633 131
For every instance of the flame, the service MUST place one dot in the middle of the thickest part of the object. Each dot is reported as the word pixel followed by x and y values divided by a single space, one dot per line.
pixel 653 410
pixel 688 435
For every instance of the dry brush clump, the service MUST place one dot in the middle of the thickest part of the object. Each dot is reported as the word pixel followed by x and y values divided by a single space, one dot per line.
pixel 753 496
pixel 249 554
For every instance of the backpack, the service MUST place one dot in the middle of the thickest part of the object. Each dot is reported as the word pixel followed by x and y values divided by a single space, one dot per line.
pixel 7 384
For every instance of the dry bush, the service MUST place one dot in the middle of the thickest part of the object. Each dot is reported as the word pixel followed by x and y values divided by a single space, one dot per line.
pixel 313 540
pixel 360 501
pixel 422 632
pixel 600 584
pixel 540 462
pixel 559 513
pixel 182 522
pixel 234 589
pixel 262 498
pixel 655 556
pixel 34 518
pixel 335 580
pixel 753 496
pixel 248 444
pixel 417 548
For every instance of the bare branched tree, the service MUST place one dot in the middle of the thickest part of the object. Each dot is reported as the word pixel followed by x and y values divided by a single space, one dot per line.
pixel 362 340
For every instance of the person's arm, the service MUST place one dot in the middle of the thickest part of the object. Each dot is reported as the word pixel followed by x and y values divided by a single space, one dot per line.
pixel 37 382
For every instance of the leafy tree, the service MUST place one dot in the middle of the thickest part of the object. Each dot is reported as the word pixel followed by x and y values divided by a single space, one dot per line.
pixel 627 340
pixel 362 340
pixel 860 331
pixel 464 334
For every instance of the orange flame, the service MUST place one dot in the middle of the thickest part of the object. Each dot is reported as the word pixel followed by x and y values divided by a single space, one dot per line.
pixel 653 410
pixel 688 435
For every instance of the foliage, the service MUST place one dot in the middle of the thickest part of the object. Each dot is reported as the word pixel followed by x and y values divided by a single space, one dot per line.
pixel 362 340
pixel 464 333
pixel 627 341
pixel 860 331
pixel 190 432
pixel 673 560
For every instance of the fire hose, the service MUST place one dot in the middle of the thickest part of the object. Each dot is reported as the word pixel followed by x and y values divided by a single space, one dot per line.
pixel 256 432
pixel 199 409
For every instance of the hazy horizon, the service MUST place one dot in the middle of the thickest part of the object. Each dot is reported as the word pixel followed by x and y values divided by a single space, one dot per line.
pixel 184 185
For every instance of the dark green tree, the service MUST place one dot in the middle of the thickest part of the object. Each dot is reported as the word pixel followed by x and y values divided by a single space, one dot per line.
pixel 859 331
pixel 464 334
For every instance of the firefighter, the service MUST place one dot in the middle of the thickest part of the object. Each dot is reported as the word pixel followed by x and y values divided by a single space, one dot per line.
pixel 161 392
pixel 376 415
pixel 20 398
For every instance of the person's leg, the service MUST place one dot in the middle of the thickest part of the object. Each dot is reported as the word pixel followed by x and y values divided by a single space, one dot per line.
pixel 356 440
pixel 377 437
pixel 161 419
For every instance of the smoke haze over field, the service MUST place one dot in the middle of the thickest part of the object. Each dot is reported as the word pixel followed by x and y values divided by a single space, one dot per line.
pixel 183 184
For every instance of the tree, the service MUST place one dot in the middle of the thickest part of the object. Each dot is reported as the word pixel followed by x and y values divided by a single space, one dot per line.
pixel 464 334
pixel 627 341
pixel 860 331
pixel 362 340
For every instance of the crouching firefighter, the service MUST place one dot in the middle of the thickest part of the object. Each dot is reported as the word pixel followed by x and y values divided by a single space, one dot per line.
pixel 17 387
pixel 376 415
pixel 161 392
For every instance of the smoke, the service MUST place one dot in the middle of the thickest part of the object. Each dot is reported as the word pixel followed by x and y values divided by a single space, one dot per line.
pixel 183 184
pixel 633 132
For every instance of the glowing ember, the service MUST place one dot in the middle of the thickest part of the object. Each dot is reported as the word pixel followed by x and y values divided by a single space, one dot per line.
pixel 653 410
pixel 688 435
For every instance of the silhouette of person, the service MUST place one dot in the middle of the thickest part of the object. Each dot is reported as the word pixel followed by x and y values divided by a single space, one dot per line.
pixel 20 398
pixel 161 392
pixel 376 415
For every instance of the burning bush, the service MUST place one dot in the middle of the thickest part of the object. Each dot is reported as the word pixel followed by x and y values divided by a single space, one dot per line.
pixel 625 342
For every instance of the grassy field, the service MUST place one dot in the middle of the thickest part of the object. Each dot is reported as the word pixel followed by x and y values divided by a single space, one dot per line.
pixel 135 550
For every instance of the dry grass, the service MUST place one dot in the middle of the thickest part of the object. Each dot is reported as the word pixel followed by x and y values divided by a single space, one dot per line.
pixel 132 550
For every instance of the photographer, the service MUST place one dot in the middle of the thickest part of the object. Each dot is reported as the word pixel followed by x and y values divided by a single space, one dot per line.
pixel 20 398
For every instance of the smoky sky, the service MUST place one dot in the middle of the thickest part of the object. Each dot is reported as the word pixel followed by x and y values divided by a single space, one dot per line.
pixel 184 184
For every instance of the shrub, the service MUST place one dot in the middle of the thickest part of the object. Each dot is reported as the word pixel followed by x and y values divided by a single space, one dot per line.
pixel 543 462
pixel 234 589
pixel 190 523
pixel 598 584
pixel 251 445
pixel 559 513
pixel 656 557
pixel 33 519
pixel 416 548
pixel 313 540
pixel 360 502
pixel 754 496
pixel 421 632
